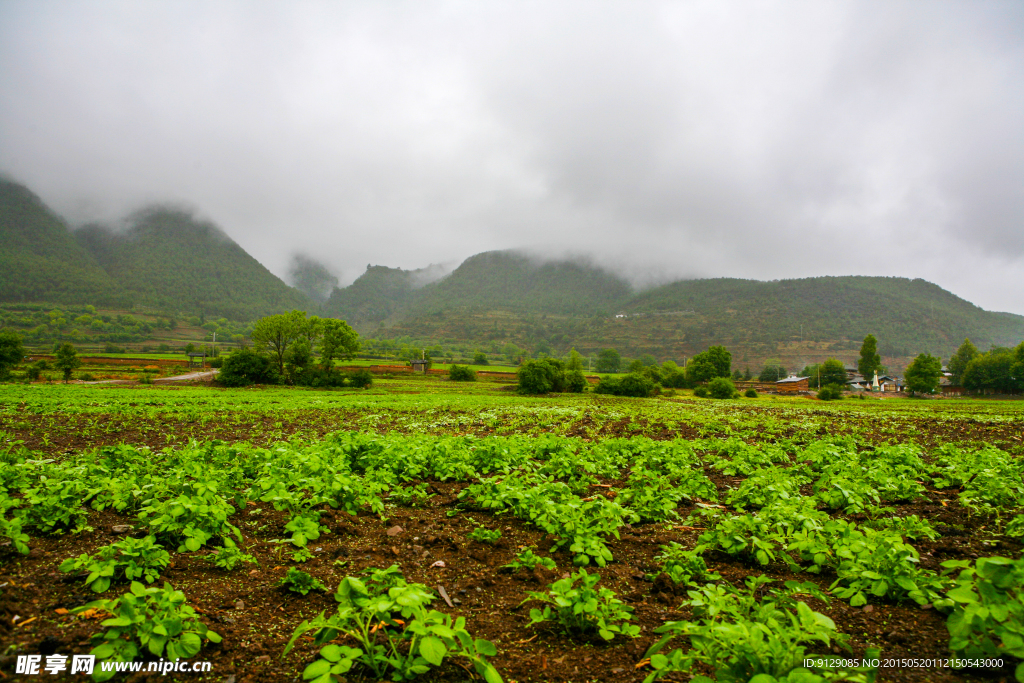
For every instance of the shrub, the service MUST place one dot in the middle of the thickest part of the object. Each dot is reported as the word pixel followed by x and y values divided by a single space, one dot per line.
pixel 216 362
pixel 830 392
pixel 633 384
pixel 541 376
pixel 722 387
pixel 462 373
pixel 362 379
pixel 298 581
pixel 750 393
pixel 701 392
pixel 575 382
pixel 131 559
pixel 245 367
pixel 988 614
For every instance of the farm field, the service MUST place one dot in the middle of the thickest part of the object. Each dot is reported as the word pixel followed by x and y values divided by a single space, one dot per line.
pixel 676 503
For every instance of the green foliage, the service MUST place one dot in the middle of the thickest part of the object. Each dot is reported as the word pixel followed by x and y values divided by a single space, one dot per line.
pixel 923 374
pixel 484 535
pixel 741 637
pixel 361 379
pixel 399 636
pixel 461 373
pixel 988 609
pixel 541 376
pixel 832 371
pixel 582 610
pixel 707 365
pixel 337 341
pixel 191 521
pixel 129 559
pixel 870 361
pixel 11 351
pixel 959 361
pixel 152 620
pixel 879 563
pixel 722 387
pixel 230 556
pixel 773 371
pixel 750 393
pixel 480 358
pixel 275 335
pixel 999 371
pixel 701 392
pixel 298 581
pixel 12 528
pixel 634 384
pixel 245 367
pixel 608 360
pixel 67 360
pixel 527 559
pixel 684 566
pixel 831 392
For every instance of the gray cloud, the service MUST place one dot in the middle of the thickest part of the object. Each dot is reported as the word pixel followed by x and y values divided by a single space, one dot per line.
pixel 760 140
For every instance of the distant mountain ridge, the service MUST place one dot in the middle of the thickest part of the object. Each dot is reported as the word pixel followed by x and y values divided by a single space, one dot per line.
pixel 170 260
pixel 166 259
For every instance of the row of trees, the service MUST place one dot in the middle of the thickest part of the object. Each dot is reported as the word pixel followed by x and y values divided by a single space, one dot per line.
pixel 286 348
pixel 12 352
pixel 1000 370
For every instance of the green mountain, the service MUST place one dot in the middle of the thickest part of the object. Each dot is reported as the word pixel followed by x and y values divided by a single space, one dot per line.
pixel 498 298
pixel 375 296
pixel 39 258
pixel 169 259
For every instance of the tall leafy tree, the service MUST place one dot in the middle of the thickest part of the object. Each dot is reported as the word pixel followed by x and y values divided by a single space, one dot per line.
pixel 609 360
pixel 11 351
pixel 923 374
pixel 276 333
pixel 773 371
pixel 999 370
pixel 707 365
pixel 961 359
pixel 67 360
pixel 870 361
pixel 337 341
pixel 832 371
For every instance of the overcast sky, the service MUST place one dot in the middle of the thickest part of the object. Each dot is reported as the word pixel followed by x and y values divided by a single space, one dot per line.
pixel 678 139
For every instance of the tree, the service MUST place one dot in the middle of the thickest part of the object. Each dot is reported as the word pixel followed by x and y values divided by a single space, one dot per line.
pixel 275 333
pixel 870 362
pixel 999 371
pixel 634 384
pixel 961 359
pixel 461 373
pixel 337 341
pixel 706 365
pixel 245 367
pixel 575 381
pixel 480 358
pixel 541 376
pixel 722 387
pixel 772 371
pixel 832 371
pixel 67 360
pixel 609 360
pixel 923 374
pixel 11 351
pixel 648 361
pixel 672 375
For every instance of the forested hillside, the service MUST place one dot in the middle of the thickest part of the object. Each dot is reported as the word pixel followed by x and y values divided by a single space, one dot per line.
pixel 39 258
pixel 169 259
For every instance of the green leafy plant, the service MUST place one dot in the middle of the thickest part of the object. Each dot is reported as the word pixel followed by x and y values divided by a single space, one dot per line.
pixel 879 563
pixel 741 637
pixel 484 535
pixel 528 560
pixel 190 520
pixel 230 556
pixel 298 581
pixel 151 619
pixel 583 610
pixel 988 609
pixel 399 636
pixel 130 559
pixel 684 566
pixel 11 528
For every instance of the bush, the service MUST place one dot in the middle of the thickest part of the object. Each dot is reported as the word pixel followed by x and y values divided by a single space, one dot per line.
pixel 722 387
pixel 541 376
pixel 633 384
pixel 462 373
pixel 750 393
pixel 216 362
pixel 701 392
pixel 361 378
pixel 575 382
pixel 830 392
pixel 246 367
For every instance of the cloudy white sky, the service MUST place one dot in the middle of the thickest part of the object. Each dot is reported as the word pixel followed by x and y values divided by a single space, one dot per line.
pixel 668 139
